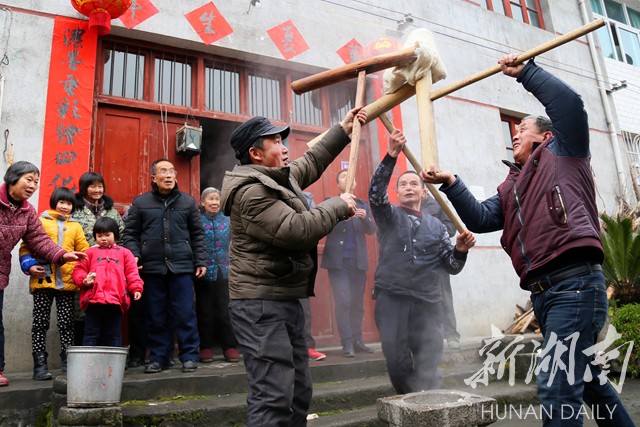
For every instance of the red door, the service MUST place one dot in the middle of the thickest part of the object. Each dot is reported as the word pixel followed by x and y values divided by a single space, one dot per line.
pixel 128 141
pixel 324 327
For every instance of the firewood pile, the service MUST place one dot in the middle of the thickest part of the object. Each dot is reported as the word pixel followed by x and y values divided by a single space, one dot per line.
pixel 524 321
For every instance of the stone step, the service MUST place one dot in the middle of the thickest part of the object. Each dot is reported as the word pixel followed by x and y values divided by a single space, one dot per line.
pixel 230 409
pixel 342 403
pixel 27 399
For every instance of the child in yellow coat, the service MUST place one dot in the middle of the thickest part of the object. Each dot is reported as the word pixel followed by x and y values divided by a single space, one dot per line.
pixel 49 282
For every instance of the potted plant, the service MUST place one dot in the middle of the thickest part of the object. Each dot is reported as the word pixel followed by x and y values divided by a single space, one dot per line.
pixel 621 245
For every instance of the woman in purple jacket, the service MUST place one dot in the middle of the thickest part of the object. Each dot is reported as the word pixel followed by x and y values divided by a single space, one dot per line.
pixel 19 220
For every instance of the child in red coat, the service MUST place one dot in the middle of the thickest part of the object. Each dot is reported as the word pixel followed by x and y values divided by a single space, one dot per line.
pixel 106 279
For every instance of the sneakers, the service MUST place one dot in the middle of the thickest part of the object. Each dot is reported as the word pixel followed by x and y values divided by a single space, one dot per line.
pixel 231 355
pixel 189 366
pixel 4 381
pixel 316 355
pixel 206 355
pixel 135 362
pixel 154 368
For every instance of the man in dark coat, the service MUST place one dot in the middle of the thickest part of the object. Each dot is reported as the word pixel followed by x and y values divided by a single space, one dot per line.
pixel 346 258
pixel 164 231
pixel 547 210
pixel 413 248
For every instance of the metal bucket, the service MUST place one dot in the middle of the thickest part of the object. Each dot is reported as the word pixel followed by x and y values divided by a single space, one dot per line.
pixel 94 375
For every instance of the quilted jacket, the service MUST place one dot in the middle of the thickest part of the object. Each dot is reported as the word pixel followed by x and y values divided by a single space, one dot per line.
pixel 22 222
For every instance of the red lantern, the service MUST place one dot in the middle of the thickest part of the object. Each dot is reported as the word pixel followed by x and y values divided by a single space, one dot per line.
pixel 101 12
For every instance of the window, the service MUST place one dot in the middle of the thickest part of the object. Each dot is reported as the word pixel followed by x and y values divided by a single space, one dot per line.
pixel 123 72
pixel 632 141
pixel 144 73
pixel 264 96
pixel 306 110
pixel 620 37
pixel 222 88
pixel 509 129
pixel 527 11
pixel 172 80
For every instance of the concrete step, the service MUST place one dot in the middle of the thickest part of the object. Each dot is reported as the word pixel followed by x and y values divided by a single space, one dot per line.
pixel 226 383
pixel 230 410
pixel 343 403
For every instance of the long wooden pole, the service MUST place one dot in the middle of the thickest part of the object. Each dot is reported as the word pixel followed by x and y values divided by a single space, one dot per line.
pixel 524 56
pixel 387 102
pixel 426 122
pixel 355 134
pixel 349 71
pixel 432 188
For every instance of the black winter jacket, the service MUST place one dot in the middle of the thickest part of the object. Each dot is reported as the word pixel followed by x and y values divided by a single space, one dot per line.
pixel 410 261
pixel 165 233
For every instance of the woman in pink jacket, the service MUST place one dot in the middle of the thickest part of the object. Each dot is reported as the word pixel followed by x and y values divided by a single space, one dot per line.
pixel 19 220
pixel 106 279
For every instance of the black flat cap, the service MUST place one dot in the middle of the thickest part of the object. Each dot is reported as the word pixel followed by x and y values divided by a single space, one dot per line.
pixel 247 133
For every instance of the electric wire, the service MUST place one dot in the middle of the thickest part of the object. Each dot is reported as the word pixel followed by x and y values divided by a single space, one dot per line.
pixel 575 74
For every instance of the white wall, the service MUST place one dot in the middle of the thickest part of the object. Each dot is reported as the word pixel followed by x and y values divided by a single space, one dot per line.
pixel 470 143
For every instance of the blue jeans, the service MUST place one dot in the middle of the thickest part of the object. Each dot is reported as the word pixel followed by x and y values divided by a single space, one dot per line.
pixel 577 305
pixel 270 335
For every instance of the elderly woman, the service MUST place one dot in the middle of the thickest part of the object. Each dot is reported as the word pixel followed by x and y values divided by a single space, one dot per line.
pixel 19 220
pixel 212 290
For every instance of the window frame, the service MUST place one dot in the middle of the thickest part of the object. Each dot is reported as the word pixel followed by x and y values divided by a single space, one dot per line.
pixel 513 123
pixel 613 31
pixel 506 6
pixel 199 62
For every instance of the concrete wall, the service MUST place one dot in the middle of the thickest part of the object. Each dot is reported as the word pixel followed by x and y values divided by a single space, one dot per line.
pixel 470 142
pixel 626 100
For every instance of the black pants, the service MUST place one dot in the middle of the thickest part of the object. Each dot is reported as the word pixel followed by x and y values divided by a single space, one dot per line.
pixel 102 325
pixel 411 335
pixel 448 314
pixel 212 311
pixel 136 330
pixel 271 337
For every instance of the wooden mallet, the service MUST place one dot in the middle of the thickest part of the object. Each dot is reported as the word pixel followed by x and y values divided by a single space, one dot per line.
pixel 357 69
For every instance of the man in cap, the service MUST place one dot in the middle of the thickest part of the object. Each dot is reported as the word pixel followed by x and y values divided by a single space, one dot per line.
pixel 273 260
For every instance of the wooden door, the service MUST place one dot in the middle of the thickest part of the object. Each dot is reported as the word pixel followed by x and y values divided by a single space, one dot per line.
pixel 324 327
pixel 127 143
pixel 120 153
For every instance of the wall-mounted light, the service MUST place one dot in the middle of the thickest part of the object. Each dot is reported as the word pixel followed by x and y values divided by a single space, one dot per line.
pixel 405 22
pixel 255 2
pixel 617 86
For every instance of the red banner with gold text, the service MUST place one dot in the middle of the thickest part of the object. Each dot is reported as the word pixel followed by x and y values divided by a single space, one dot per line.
pixel 67 126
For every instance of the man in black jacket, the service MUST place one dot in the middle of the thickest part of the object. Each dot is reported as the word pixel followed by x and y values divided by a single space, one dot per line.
pixel 413 248
pixel 164 231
